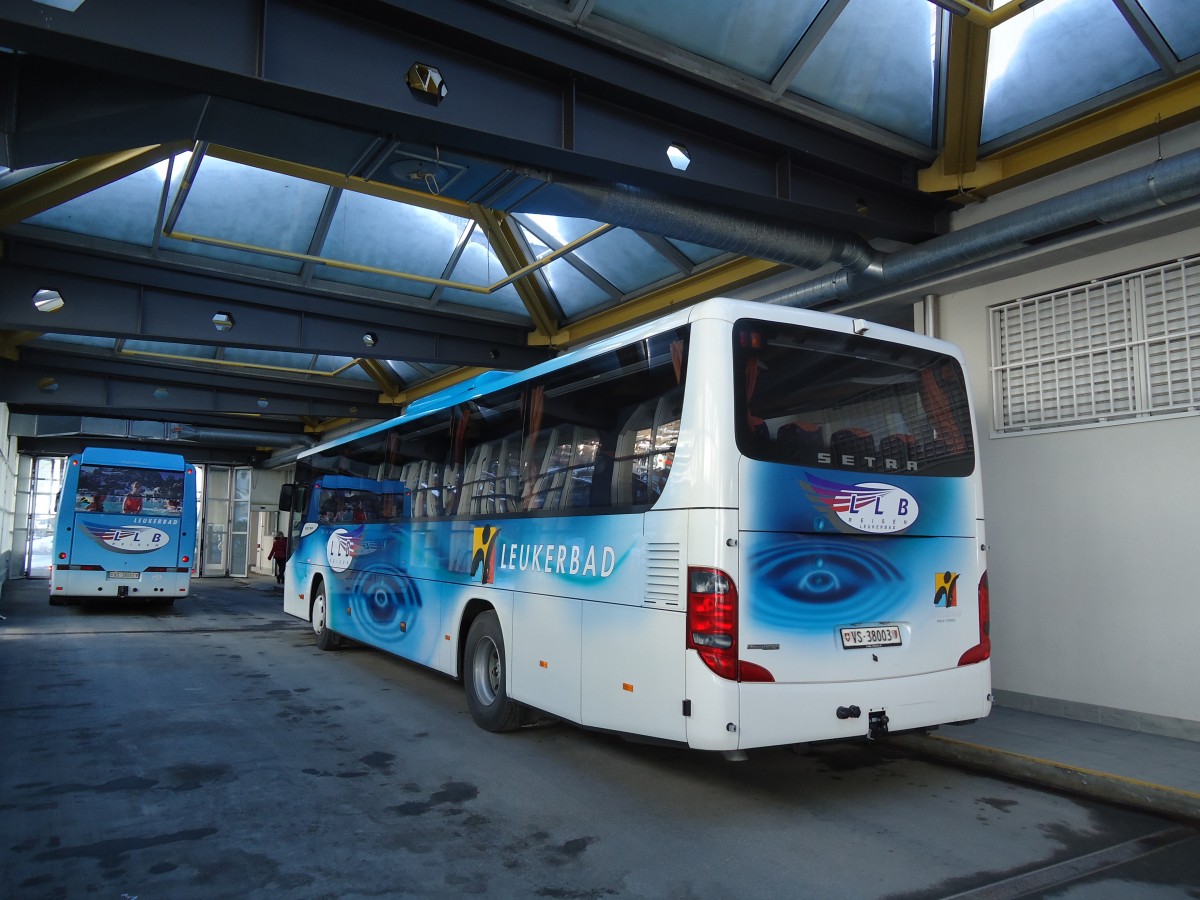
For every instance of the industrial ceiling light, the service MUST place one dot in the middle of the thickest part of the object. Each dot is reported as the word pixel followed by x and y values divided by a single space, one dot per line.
pixel 370 339
pixel 161 393
pixel 426 83
pixel 263 402
pixel 47 385
pixel 679 156
pixel 48 301
pixel 223 321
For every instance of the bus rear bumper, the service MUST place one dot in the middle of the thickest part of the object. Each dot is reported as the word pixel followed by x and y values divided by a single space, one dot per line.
pixel 779 714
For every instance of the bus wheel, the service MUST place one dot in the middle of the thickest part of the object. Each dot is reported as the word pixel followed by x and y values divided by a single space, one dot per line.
pixel 326 639
pixel 484 676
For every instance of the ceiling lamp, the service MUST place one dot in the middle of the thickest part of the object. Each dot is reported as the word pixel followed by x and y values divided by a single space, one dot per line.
pixel 370 339
pixel 48 301
pixel 223 321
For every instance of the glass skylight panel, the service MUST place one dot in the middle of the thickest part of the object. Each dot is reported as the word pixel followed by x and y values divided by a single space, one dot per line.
pixel 192 351
pixel 576 294
pixel 625 260
pixel 755 38
pixel 1177 21
pixel 695 252
pixel 254 207
pixel 124 210
pixel 1054 56
pixel 383 234
pixel 877 63
pixel 83 340
pixel 479 265
pixel 341 365
pixel 272 358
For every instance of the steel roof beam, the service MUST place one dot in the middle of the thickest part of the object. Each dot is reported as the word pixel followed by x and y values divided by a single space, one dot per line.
pixel 124 300
pixel 507 77
pixel 55 380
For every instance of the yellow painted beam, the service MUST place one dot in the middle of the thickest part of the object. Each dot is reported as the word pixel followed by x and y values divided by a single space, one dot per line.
pixel 433 385
pixel 347 182
pixel 509 249
pixel 11 340
pixel 56 186
pixel 1156 111
pixel 379 373
pixel 965 82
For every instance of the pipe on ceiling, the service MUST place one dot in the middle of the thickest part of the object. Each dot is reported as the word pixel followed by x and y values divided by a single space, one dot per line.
pixel 685 220
pixel 228 436
pixel 1159 184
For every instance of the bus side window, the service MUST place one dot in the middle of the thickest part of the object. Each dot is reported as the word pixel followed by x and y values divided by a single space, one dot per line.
pixel 634 442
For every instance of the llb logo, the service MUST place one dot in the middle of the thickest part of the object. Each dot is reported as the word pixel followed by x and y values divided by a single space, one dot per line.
pixel 872 507
pixel 342 547
pixel 130 538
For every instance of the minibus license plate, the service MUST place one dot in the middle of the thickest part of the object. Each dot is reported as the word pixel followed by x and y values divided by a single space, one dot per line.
pixel 874 636
pixel 124 574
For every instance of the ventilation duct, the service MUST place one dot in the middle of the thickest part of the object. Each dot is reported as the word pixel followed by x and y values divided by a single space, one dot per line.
pixel 1160 184
pixel 685 220
pixel 231 437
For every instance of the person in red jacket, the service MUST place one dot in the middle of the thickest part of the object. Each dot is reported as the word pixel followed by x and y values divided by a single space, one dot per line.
pixel 279 554
pixel 133 500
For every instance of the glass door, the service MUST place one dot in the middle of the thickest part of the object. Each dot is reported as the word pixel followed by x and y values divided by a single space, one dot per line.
pixel 43 496
pixel 239 535
pixel 216 521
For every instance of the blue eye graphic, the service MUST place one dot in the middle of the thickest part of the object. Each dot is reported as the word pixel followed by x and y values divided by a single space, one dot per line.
pixel 819 584
pixel 381 599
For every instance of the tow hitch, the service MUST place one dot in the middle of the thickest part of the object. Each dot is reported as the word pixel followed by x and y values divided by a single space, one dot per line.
pixel 877 724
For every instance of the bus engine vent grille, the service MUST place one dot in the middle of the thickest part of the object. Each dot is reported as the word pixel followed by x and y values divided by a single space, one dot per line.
pixel 663 578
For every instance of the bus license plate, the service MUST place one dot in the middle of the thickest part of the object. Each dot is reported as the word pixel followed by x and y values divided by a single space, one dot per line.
pixel 873 636
pixel 125 575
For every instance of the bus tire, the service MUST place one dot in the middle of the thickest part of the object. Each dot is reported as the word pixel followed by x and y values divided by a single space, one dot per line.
pixel 326 639
pixel 484 675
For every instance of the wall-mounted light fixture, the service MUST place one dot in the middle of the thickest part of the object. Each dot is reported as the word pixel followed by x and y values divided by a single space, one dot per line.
pixel 47 385
pixel 370 339
pixel 679 157
pixel 263 402
pixel 426 83
pixel 48 300
pixel 161 393
pixel 223 321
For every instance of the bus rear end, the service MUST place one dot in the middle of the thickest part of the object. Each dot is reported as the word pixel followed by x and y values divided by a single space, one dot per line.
pixel 125 528
pixel 855 601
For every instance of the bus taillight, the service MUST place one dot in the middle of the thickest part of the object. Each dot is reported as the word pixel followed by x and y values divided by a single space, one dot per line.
pixel 712 613
pixel 982 650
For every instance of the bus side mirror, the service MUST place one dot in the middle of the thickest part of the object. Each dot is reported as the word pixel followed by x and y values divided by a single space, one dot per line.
pixel 286 494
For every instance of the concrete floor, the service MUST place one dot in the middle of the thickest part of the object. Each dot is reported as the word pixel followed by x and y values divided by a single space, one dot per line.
pixel 210 750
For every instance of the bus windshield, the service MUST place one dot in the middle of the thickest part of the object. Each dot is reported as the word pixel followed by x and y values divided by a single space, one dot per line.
pixel 827 399
pixel 124 489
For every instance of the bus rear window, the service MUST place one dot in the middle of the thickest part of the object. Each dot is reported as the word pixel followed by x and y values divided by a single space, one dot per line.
pixel 829 400
pixel 122 489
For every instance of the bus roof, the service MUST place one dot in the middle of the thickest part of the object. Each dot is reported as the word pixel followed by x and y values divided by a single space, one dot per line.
pixel 138 459
pixel 718 308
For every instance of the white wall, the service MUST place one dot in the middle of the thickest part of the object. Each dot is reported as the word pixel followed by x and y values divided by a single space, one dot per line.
pixel 10 560
pixel 1093 533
